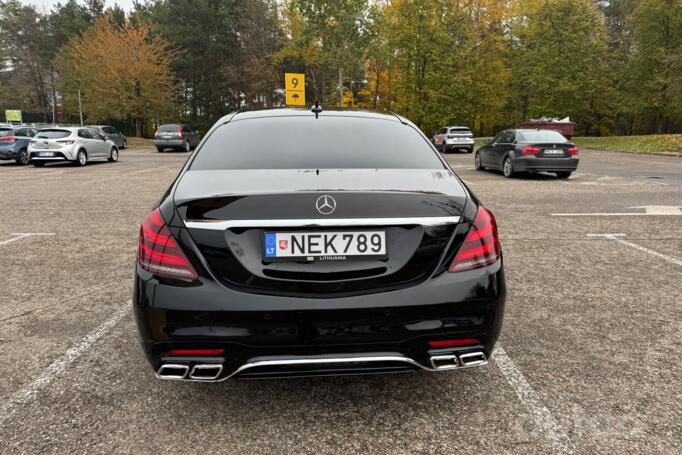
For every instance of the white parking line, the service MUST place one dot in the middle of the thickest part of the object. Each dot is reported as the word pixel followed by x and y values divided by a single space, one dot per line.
pixel 617 238
pixel 28 393
pixel 23 235
pixel 540 414
pixel 649 210
pixel 131 173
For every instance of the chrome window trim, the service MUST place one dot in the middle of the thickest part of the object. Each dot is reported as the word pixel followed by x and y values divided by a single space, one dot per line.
pixel 221 225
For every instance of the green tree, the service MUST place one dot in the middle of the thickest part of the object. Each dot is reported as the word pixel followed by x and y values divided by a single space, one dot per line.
pixel 560 65
pixel 24 44
pixel 654 76
pixel 430 41
pixel 204 34
pixel 338 27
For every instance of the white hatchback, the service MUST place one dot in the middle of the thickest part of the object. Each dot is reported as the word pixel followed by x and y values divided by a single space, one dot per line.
pixel 76 144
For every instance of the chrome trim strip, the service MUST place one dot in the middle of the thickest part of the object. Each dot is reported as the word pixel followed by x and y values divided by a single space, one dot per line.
pixel 322 361
pixel 221 225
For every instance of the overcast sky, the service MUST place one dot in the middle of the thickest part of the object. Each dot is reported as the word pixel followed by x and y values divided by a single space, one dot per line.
pixel 48 4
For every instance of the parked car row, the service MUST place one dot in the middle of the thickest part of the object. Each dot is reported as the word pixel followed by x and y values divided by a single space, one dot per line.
pixel 514 151
pixel 27 144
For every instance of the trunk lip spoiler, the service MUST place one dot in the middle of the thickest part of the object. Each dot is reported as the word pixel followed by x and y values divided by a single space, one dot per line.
pixel 221 225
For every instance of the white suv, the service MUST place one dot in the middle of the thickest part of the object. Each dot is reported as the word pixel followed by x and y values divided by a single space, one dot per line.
pixel 76 144
pixel 453 138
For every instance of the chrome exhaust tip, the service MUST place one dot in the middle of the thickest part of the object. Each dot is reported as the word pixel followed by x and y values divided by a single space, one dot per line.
pixel 172 371
pixel 444 362
pixel 206 372
pixel 472 359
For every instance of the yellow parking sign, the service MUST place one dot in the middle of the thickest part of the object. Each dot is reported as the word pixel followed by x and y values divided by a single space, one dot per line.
pixel 294 84
pixel 13 116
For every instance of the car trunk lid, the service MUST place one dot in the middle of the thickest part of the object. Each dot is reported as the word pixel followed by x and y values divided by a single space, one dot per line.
pixel 229 213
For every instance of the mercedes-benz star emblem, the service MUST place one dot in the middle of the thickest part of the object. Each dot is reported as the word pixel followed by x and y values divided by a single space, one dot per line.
pixel 325 205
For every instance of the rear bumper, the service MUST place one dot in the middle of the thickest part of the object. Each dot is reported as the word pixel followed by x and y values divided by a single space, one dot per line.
pixel 458 145
pixel 169 143
pixel 532 163
pixel 58 156
pixel 254 328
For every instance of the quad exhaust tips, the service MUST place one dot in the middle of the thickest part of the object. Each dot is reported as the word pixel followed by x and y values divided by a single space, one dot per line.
pixel 452 361
pixel 213 372
pixel 199 372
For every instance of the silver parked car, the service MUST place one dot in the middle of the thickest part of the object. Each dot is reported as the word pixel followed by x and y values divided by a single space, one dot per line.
pixel 112 133
pixel 77 144
pixel 454 138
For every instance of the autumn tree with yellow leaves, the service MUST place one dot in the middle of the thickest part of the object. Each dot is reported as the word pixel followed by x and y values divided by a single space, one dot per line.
pixel 123 72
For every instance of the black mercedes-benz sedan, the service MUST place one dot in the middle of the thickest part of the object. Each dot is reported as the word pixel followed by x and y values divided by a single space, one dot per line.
pixel 299 243
pixel 528 150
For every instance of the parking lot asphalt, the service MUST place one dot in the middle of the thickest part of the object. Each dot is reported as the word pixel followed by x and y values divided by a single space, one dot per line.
pixel 588 361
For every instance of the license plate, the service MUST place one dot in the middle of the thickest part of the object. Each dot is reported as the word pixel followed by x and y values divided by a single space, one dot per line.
pixel 46 154
pixel 324 245
pixel 554 152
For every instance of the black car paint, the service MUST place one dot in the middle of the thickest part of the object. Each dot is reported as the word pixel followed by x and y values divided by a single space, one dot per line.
pixel 250 322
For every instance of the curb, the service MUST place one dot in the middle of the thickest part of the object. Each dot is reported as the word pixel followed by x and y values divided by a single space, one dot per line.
pixel 673 154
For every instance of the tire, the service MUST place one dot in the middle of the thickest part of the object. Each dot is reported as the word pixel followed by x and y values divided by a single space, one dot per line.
pixel 508 167
pixel 113 155
pixel 81 158
pixel 478 164
pixel 159 149
pixel 38 163
pixel 470 150
pixel 187 147
pixel 125 144
pixel 564 175
pixel 23 158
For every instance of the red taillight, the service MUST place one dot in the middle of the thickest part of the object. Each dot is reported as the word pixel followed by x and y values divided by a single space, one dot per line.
pixel 460 342
pixel 530 150
pixel 179 131
pixel 8 139
pixel 159 253
pixel 67 141
pixel 573 151
pixel 481 246
pixel 196 351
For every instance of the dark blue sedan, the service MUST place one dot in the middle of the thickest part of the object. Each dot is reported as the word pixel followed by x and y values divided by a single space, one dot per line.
pixel 14 142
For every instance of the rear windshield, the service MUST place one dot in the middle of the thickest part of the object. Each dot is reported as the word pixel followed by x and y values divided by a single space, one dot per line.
pixel 53 134
pixel 5 132
pixel 541 136
pixel 307 143
pixel 460 130
pixel 169 128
